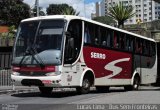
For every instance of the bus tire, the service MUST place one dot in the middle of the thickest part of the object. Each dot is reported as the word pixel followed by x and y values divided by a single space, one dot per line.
pixel 102 89
pixel 136 83
pixel 46 90
pixel 86 84
pixel 135 86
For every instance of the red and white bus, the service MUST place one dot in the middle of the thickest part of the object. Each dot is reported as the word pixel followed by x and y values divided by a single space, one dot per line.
pixel 71 51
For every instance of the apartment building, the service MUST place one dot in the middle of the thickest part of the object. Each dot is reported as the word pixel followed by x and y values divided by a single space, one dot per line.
pixel 146 10
pixel 157 11
pixel 98 9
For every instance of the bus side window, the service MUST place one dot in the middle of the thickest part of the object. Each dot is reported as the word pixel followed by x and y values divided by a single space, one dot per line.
pixel 138 46
pixel 115 42
pixel 97 35
pixel 145 47
pixel 109 35
pixel 89 33
pixel 121 41
pixel 153 49
pixel 87 38
pixel 129 43
pixel 103 37
pixel 148 47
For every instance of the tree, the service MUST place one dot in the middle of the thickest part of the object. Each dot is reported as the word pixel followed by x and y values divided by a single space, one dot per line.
pixel 121 13
pixel 105 19
pixel 13 11
pixel 58 9
pixel 55 9
pixel 69 11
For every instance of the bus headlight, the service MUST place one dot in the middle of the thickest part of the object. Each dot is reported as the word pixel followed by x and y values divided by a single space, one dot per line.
pixel 53 73
pixel 15 73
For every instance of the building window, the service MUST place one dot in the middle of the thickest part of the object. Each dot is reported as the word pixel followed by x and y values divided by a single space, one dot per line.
pixel 145 10
pixel 145 20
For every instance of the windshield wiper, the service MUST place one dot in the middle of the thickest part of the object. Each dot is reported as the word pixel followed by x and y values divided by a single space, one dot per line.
pixel 32 51
pixel 39 61
pixel 27 52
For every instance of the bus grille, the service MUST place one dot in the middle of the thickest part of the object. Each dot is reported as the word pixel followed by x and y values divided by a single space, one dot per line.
pixel 30 82
pixel 32 74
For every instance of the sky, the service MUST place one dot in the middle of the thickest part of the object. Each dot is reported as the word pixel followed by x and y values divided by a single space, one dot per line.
pixel 85 7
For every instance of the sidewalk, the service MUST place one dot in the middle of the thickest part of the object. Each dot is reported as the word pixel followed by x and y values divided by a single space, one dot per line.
pixel 11 89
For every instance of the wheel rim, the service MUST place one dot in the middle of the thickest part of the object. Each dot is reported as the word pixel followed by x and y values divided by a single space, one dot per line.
pixel 135 86
pixel 86 84
pixel 136 83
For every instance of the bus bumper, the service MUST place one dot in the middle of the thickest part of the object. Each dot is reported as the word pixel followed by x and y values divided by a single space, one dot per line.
pixel 47 81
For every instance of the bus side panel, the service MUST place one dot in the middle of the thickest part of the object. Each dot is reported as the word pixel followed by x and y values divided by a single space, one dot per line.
pixel 108 64
pixel 71 75
pixel 158 64
pixel 147 67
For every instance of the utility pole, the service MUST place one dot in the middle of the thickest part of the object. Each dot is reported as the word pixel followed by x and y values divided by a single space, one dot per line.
pixel 84 8
pixel 37 6
pixel 151 11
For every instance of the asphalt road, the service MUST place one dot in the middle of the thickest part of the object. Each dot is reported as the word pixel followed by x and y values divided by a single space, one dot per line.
pixel 70 100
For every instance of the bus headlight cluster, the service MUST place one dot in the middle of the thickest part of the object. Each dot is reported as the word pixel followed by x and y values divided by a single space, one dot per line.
pixel 15 73
pixel 53 73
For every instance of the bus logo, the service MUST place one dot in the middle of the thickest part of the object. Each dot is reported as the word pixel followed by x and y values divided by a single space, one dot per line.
pixel 115 69
pixel 98 55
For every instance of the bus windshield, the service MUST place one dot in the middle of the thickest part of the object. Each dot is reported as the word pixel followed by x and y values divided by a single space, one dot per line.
pixel 39 41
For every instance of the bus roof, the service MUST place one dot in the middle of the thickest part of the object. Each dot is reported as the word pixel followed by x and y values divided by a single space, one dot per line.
pixel 70 17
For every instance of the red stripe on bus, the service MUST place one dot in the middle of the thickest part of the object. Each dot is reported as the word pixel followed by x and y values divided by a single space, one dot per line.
pixel 34 69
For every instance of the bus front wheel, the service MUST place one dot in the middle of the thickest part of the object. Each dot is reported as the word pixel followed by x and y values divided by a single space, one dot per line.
pixel 85 86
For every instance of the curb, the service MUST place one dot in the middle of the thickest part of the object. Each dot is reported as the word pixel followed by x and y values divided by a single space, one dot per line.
pixel 16 91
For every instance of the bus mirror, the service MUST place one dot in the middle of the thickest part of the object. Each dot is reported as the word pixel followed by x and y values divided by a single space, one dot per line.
pixel 70 39
pixel 68 34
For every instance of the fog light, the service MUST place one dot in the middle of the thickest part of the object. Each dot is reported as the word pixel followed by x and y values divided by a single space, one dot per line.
pixel 46 82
